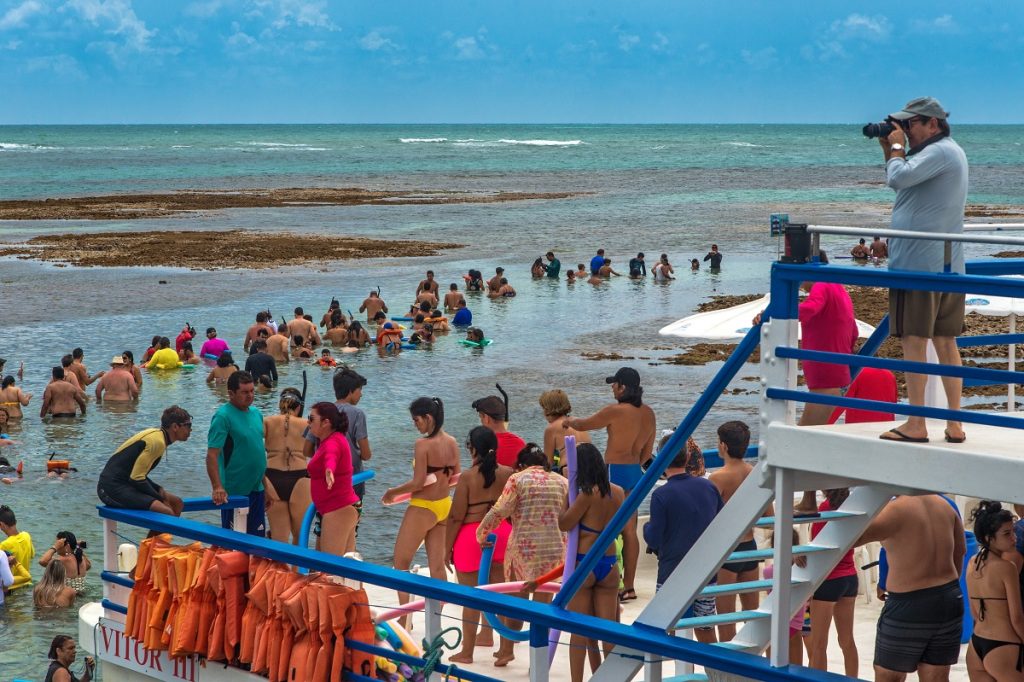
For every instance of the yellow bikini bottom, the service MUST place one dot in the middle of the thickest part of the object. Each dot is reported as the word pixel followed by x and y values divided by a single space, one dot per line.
pixel 441 508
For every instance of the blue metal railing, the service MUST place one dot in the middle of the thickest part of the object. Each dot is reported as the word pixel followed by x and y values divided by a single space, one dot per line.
pixel 541 617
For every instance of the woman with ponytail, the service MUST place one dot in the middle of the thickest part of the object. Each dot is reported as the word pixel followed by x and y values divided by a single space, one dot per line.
pixel 478 489
pixel 997 644
pixel 70 552
pixel 425 518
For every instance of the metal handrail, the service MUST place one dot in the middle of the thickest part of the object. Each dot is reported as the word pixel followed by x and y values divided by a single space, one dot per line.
pixel 542 617
pixel 914 234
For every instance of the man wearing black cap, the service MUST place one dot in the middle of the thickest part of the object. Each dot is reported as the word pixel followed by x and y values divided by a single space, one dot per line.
pixel 631 430
pixel 930 179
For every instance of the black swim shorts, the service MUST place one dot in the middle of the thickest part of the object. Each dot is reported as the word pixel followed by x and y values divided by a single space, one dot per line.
pixel 124 496
pixel 922 626
pixel 835 589
pixel 743 566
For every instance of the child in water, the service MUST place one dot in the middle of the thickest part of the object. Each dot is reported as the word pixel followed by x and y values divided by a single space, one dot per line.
pixel 475 334
pixel 325 359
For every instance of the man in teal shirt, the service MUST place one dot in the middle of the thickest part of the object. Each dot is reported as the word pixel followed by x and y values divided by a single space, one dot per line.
pixel 236 458
pixel 553 266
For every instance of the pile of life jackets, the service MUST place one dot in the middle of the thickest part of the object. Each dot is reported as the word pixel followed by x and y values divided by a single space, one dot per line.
pixel 248 612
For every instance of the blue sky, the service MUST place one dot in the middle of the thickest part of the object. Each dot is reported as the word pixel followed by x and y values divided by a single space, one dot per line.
pixel 392 61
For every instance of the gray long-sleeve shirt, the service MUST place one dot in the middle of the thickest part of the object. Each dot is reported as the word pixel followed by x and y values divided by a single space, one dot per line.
pixel 931 193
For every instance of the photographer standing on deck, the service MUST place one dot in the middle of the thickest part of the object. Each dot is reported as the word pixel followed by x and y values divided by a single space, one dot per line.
pixel 930 179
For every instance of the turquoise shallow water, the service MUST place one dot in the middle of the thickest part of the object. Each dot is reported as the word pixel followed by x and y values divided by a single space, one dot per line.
pixel 650 188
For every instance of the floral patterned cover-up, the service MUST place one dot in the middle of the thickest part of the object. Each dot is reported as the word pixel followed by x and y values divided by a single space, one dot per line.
pixel 532 501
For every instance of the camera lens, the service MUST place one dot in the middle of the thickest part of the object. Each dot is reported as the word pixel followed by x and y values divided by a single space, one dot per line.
pixel 882 129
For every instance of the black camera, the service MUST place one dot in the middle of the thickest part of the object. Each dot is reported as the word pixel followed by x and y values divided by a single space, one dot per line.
pixel 882 129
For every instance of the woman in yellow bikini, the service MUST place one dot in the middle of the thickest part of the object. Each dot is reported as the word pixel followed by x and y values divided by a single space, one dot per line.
pixel 424 522
pixel 13 398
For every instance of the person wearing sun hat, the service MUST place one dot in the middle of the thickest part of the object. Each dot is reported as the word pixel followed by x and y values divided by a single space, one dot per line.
pixel 631 432
pixel 928 170
pixel 118 384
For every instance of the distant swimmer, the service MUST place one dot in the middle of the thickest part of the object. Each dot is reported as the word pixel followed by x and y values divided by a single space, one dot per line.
pixel 860 251
pixel 606 269
pixel 13 398
pixel 251 334
pixel 334 307
pixel 429 284
pixel 277 344
pixel 597 261
pixel 302 349
pixel 553 266
pixel 504 290
pixel 213 346
pixel 474 280
pixel 69 374
pixel 637 267
pixel 165 357
pixel 537 270
pixel 663 271
pixel 372 305
pixel 225 368
pixel 78 367
pixel 260 362
pixel 61 400
pixel 337 330
pixel 124 481
pixel 715 256
pixel 570 277
pixel 462 316
pixel 118 385
pixel 325 359
pixel 879 249
pixel 694 264
pixel 452 298
pixel 494 283
pixel 302 327
pixel 357 336
pixel 581 271
pixel 129 362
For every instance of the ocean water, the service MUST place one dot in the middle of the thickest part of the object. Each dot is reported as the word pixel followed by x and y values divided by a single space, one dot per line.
pixel 673 189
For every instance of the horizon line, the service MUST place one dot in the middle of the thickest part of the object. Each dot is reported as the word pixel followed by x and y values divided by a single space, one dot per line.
pixel 478 123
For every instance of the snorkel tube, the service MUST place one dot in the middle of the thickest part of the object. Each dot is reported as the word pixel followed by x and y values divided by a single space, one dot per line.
pixel 504 397
pixel 304 384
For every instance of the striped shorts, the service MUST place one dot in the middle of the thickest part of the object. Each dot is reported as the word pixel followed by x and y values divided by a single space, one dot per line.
pixel 922 626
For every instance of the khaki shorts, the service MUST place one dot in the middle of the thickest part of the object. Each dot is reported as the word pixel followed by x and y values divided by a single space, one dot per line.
pixel 925 313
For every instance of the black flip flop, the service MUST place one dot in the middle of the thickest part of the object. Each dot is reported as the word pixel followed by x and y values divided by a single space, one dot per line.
pixel 902 437
pixel 950 439
pixel 627 595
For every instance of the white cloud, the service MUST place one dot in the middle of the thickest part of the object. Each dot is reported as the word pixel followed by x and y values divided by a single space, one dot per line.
pixel 240 40
pixel 468 48
pixel 203 10
pixel 705 54
pixel 856 29
pixel 858 26
pixel 374 41
pixel 16 16
pixel 119 16
pixel 302 13
pixel 941 24
pixel 60 64
pixel 11 45
pixel 760 59
pixel 660 43
pixel 628 41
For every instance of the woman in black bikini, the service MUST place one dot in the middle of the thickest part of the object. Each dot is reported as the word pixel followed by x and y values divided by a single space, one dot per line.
pixel 997 645
pixel 595 505
pixel 478 489
pixel 286 480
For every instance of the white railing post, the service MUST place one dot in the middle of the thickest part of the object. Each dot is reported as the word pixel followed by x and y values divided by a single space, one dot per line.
pixel 652 668
pixel 685 667
pixel 432 616
pixel 783 567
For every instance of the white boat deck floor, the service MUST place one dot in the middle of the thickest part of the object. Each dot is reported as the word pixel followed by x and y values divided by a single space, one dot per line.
pixel 987 465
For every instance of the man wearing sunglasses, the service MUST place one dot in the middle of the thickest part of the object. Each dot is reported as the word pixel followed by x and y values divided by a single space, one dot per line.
pixel 124 481
pixel 928 170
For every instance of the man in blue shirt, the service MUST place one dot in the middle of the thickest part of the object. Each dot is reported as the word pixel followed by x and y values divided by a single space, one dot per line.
pixel 680 512
pixel 596 262
pixel 462 316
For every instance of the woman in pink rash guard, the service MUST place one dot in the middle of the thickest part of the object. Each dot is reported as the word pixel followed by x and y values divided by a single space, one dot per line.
pixel 330 479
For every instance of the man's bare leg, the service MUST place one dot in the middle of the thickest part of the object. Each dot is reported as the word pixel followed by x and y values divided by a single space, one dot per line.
pixel 932 673
pixel 915 349
pixel 886 675
pixel 949 354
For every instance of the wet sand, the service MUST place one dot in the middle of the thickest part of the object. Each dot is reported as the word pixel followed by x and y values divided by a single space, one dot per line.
pixel 133 206
pixel 211 250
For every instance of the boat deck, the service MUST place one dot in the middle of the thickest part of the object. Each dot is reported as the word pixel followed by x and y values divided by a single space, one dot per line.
pixel 986 466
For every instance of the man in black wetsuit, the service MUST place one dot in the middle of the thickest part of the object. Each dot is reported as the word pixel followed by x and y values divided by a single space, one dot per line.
pixel 124 481
pixel 260 363
pixel 715 256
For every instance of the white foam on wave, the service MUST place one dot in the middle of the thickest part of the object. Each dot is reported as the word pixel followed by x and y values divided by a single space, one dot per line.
pixel 16 145
pixel 544 143
pixel 181 146
pixel 748 144
pixel 408 140
pixel 275 144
